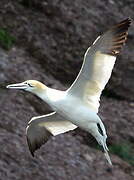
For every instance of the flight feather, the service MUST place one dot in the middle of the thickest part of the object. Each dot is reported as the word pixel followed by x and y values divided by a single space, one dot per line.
pixel 98 63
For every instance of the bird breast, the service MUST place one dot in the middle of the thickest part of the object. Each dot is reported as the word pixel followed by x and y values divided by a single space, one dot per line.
pixel 75 111
pixel 71 108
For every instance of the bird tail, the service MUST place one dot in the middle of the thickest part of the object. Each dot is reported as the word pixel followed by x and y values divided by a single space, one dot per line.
pixel 106 150
pixel 108 158
pixel 104 144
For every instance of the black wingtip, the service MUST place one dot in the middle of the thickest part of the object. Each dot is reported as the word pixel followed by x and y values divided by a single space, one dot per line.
pixel 30 147
pixel 127 21
pixel 121 27
pixel 120 33
pixel 32 153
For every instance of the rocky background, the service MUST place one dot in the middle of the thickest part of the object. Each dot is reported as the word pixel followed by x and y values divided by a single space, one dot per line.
pixel 46 40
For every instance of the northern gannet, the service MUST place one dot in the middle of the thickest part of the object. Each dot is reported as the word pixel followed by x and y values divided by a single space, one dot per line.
pixel 77 106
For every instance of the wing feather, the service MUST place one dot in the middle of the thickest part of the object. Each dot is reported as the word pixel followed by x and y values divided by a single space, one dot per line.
pixel 98 63
pixel 41 128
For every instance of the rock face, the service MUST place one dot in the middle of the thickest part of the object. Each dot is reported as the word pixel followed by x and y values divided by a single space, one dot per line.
pixel 51 38
pixel 57 34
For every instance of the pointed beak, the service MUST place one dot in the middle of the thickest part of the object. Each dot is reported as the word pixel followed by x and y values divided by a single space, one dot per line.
pixel 17 86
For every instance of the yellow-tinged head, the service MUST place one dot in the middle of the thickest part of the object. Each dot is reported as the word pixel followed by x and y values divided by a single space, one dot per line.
pixel 29 85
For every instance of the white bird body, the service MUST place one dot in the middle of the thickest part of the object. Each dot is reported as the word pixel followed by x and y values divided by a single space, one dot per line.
pixel 78 106
pixel 63 103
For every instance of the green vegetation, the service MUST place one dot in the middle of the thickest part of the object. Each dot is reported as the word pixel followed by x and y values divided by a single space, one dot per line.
pixel 124 151
pixel 6 40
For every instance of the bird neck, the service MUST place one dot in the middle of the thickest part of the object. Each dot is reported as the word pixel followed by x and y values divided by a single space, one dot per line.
pixel 41 92
pixel 50 96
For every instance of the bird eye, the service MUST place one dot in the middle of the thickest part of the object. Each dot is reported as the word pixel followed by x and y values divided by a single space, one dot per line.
pixel 28 84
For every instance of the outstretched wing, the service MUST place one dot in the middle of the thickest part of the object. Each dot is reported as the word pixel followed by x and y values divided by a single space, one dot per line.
pixel 41 128
pixel 98 63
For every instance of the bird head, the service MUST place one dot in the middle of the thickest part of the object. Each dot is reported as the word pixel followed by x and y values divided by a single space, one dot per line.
pixel 29 85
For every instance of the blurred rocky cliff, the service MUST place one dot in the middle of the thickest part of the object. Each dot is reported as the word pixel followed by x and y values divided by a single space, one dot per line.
pixel 46 40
